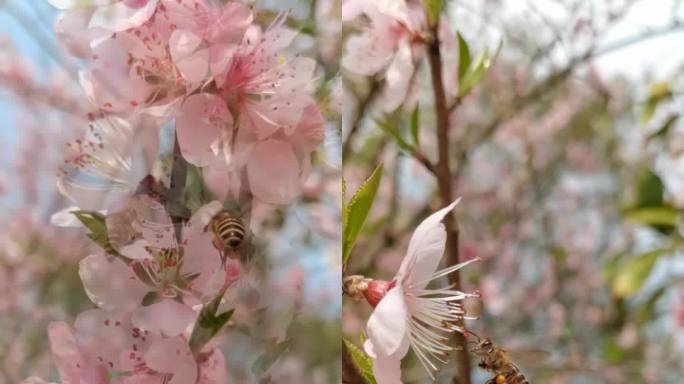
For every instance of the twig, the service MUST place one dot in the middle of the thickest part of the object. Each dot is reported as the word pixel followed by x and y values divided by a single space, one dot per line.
pixel 442 172
pixel 358 117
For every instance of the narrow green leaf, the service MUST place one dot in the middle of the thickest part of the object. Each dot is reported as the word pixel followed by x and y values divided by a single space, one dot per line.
pixel 630 276
pixel 344 202
pixel 463 57
pixel 264 362
pixel 415 125
pixel 477 70
pixel 208 324
pixel 474 75
pixel 357 212
pixel 657 216
pixel 665 128
pixel 362 361
pixel 391 129
pixel 95 222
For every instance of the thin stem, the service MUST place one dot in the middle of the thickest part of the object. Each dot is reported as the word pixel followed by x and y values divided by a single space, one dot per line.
pixel 442 172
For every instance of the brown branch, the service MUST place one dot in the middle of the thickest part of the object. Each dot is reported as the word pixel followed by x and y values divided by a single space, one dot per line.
pixel 442 172
pixel 358 117
pixel 558 77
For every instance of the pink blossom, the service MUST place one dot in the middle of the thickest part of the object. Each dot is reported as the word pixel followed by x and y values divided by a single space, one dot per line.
pixel 107 164
pixel 105 347
pixel 409 314
pixel 384 46
pixel 114 15
pixel 174 276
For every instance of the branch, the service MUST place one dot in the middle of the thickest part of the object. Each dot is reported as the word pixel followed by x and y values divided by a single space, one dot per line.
pixel 558 77
pixel 360 113
pixel 442 172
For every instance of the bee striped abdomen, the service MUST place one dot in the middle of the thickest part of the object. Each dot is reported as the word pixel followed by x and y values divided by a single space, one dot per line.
pixel 516 377
pixel 228 229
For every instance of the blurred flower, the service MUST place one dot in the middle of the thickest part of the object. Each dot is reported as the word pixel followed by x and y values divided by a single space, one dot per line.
pixel 114 15
pixel 106 347
pixel 408 314
pixel 384 46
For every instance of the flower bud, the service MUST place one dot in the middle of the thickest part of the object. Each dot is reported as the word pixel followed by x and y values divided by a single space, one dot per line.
pixel 376 291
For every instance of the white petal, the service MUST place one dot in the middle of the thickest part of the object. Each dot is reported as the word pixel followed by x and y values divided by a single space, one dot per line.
pixel 119 17
pixel 425 250
pixel 387 370
pixel 398 78
pixel 387 325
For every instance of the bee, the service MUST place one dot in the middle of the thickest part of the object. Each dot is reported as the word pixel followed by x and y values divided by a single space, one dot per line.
pixel 229 231
pixel 496 361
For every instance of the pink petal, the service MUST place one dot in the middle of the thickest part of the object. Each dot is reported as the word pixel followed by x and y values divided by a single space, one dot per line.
pixel 387 326
pixel 119 17
pixel 387 369
pixel 72 367
pixel 103 335
pixel 364 55
pixel 273 172
pixel 213 369
pixel 310 131
pixel 398 78
pixel 425 250
pixel 168 317
pixel 201 123
pixel 193 63
pixel 173 356
pixel 111 284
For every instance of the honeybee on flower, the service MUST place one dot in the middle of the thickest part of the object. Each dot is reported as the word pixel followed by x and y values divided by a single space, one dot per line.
pixel 408 314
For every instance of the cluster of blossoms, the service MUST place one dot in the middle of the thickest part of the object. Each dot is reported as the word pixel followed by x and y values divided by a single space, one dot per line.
pixel 195 88
pixel 408 313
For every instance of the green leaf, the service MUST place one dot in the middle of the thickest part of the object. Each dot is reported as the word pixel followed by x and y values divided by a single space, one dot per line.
pixel 630 276
pixel 265 361
pixel 658 92
pixel 463 57
pixel 362 361
pixel 391 129
pixel 477 70
pixel 433 8
pixel 415 125
pixel 96 224
pixel 357 212
pixel 665 128
pixel 208 323
pixel 658 216
pixel 649 190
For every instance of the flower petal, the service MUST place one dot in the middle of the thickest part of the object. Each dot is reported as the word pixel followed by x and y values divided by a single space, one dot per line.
pixel 386 327
pixel 168 317
pixel 110 284
pixel 425 250
pixel 119 16
pixel 387 369
pixel 70 363
pixel 397 78
pixel 273 172
pixel 172 356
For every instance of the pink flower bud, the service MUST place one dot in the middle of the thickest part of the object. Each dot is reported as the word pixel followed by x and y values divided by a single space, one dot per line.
pixel 376 291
